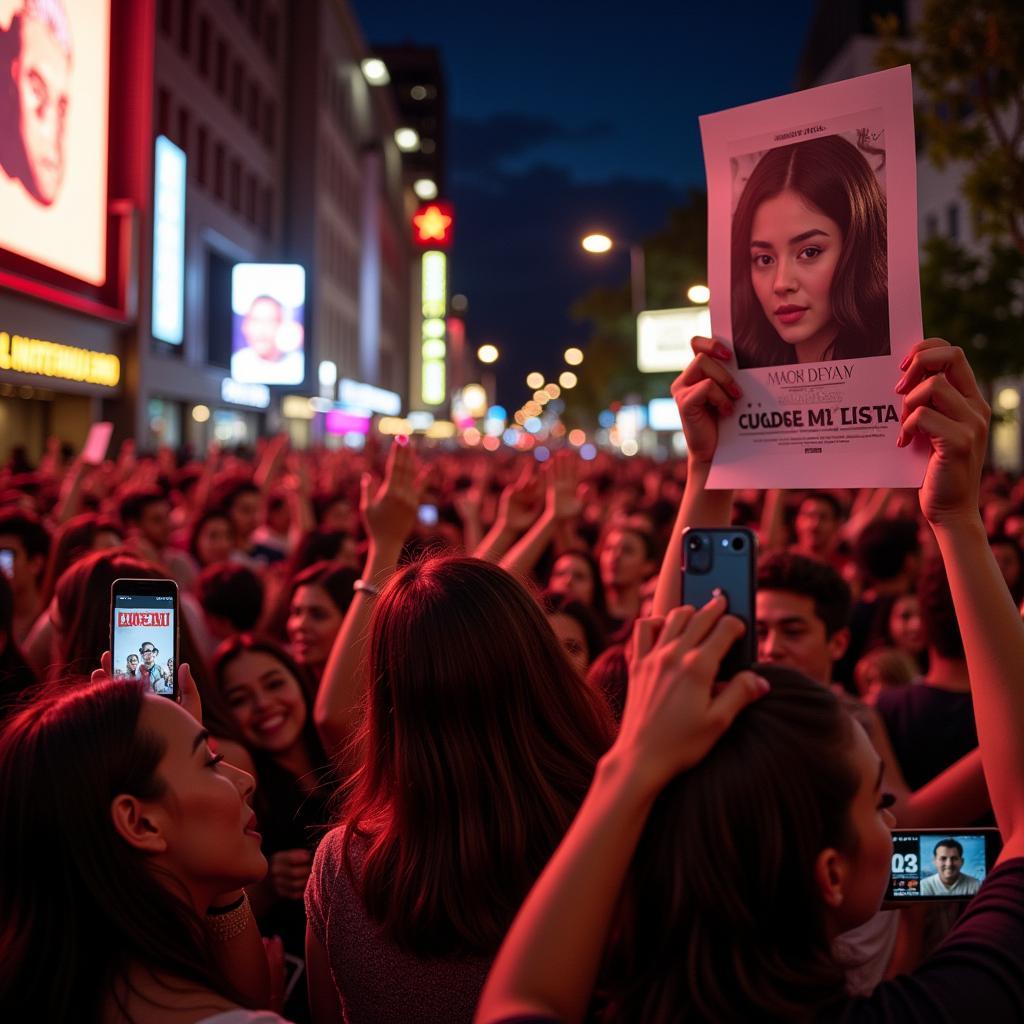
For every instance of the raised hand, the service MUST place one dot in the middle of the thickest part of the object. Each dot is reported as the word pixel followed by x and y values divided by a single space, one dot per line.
pixel 704 392
pixel 389 509
pixel 674 714
pixel 289 872
pixel 518 506
pixel 942 403
pixel 561 483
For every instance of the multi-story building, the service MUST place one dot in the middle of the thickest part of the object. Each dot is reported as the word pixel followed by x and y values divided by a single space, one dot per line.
pixel 200 134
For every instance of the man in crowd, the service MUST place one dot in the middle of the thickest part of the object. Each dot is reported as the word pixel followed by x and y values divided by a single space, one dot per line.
pixel 146 515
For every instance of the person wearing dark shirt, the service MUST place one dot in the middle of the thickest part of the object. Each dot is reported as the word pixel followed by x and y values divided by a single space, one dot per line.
pixel 931 723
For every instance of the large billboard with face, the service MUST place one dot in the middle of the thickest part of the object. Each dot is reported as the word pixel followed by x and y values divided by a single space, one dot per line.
pixel 54 80
pixel 267 334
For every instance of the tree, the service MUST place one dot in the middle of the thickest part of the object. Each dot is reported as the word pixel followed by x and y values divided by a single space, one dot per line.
pixel 675 258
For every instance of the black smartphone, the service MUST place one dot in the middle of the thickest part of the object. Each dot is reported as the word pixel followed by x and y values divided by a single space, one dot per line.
pixel 724 561
pixel 941 864
pixel 144 629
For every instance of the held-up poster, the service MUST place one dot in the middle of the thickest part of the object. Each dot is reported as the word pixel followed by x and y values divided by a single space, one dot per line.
pixel 813 270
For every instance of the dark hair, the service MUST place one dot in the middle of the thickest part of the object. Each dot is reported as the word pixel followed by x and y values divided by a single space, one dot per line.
pixel 883 546
pixel 29 529
pixel 16 675
pixel 824 498
pixel 233 592
pixel 77 904
pixel 599 605
pixel 198 525
pixel 135 503
pixel 561 604
pixel 650 545
pixel 316 545
pixel 73 540
pixel 609 676
pixel 948 842
pixel 334 580
pixel 808 577
pixel 938 613
pixel 227 491
pixel 833 176
pixel 477 747
pixel 720 918
pixel 1002 540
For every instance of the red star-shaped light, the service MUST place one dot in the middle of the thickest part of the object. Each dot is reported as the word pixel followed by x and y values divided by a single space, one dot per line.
pixel 433 224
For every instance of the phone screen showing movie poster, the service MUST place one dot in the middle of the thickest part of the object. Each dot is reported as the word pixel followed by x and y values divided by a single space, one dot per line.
pixel 144 640
pixel 936 866
pixel 54 100
pixel 267 333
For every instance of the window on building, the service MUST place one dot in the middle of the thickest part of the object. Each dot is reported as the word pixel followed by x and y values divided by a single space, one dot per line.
pixel 237 86
pixel 252 111
pixel 250 198
pixel 166 16
pixel 185 28
pixel 202 142
pixel 184 129
pixel 931 226
pixel 270 30
pixel 269 123
pixel 219 160
pixel 163 112
pixel 256 17
pixel 235 185
pixel 221 67
pixel 953 221
pixel 204 45
pixel 218 309
pixel 267 212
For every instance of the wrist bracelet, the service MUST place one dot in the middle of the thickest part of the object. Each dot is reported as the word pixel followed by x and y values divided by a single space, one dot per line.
pixel 370 589
pixel 226 923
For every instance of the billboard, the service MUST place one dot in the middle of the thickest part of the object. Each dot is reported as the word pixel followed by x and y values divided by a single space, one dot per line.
pixel 54 66
pixel 168 322
pixel 663 337
pixel 267 333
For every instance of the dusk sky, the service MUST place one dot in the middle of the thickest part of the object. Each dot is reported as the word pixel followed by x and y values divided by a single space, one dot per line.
pixel 566 116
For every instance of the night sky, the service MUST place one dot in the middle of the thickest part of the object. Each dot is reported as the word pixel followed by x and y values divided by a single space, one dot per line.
pixel 565 117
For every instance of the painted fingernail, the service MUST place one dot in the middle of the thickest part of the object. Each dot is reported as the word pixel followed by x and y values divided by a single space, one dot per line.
pixel 905 363
pixel 900 385
pixel 734 390
pixel 901 440
pixel 721 352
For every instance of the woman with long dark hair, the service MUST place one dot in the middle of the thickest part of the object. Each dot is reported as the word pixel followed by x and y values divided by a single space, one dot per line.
pixel 320 596
pixel 478 742
pixel 809 280
pixel 263 688
pixel 126 844
pixel 733 833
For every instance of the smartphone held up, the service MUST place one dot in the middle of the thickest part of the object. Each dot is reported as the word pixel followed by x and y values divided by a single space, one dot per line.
pixel 724 561
pixel 144 632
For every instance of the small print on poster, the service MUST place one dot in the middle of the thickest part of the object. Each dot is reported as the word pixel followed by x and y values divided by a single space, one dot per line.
pixel 813 267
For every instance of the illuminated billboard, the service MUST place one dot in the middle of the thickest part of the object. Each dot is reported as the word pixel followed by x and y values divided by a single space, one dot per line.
pixel 54 70
pixel 267 334
pixel 663 337
pixel 169 242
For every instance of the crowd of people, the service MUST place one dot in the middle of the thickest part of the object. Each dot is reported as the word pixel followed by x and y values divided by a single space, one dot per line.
pixel 481 768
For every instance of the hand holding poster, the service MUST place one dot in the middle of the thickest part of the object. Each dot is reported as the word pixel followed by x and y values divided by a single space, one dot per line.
pixel 813 267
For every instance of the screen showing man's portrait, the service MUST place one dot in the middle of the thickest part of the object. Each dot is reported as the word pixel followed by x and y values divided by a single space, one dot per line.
pixel 54 80
pixel 267 303
pixel 809 269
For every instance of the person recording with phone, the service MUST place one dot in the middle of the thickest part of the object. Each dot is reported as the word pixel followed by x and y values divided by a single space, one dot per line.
pixel 949 878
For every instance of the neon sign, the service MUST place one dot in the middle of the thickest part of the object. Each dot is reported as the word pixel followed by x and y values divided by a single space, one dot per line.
pixel 48 359
pixel 432 225
pixel 434 305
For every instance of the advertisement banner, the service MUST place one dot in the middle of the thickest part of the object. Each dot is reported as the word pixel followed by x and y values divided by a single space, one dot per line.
pixel 268 337
pixel 813 261
pixel 54 66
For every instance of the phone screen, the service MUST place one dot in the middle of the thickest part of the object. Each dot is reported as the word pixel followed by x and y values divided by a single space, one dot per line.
pixel 97 443
pixel 144 633
pixel 7 562
pixel 935 865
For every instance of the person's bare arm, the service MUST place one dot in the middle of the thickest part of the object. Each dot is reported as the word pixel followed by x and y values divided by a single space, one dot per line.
pixel 868 506
pixel 957 795
pixel 704 391
pixel 389 513
pixel 323 997
pixel 518 509
pixel 773 527
pixel 944 405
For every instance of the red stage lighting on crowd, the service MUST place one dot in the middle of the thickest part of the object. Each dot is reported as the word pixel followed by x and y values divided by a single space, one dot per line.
pixel 432 225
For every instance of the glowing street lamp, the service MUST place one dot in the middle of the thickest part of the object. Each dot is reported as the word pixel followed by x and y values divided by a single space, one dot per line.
pixel 375 71
pixel 425 189
pixel 487 353
pixel 600 243
pixel 407 139
pixel 597 243
pixel 535 380
pixel 568 380
pixel 574 356
pixel 699 294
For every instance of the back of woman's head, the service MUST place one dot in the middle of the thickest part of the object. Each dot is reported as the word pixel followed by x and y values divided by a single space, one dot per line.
pixel 83 605
pixel 478 744
pixel 832 175
pixel 77 903
pixel 723 919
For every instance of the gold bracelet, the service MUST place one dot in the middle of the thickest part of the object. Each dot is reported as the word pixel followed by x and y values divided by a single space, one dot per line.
pixel 227 926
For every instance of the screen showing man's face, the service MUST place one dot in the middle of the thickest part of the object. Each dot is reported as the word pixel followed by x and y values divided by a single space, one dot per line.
pixel 949 863
pixel 261 326
pixel 42 76
pixel 148 655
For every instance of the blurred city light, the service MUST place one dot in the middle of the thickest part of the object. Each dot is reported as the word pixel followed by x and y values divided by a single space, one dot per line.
pixel 532 425
pixel 407 139
pixel 596 243
pixel 606 418
pixel 491 443
pixel 577 437
pixel 553 390
pixel 541 397
pixel 588 452
pixel 511 435
pixel 699 294
pixel 474 397
pixel 542 454
pixel 200 413
pixel 1008 399
pixel 487 353
pixel 375 71
pixel 425 188
pixel 535 380
pixel 630 447
pixel 568 379
pixel 574 356
pixel 327 373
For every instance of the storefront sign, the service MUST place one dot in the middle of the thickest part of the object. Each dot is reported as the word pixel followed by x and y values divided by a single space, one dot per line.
pixel 256 396
pixel 48 359
pixel 356 395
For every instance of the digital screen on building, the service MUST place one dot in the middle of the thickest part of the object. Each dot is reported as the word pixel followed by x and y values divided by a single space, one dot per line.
pixel 169 242
pixel 54 83
pixel 267 333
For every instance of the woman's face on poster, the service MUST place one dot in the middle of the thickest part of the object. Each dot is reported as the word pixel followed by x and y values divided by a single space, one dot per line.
pixel 794 249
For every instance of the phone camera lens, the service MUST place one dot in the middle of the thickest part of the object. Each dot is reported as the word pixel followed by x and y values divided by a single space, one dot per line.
pixel 695 543
pixel 737 543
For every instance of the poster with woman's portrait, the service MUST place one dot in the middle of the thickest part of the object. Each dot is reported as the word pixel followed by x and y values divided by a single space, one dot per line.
pixel 813 267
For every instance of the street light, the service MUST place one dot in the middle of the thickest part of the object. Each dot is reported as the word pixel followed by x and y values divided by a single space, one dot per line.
pixel 535 380
pixel 699 294
pixel 574 356
pixel 598 243
pixel 425 189
pixel 568 380
pixel 487 353
pixel 407 139
pixel 375 71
